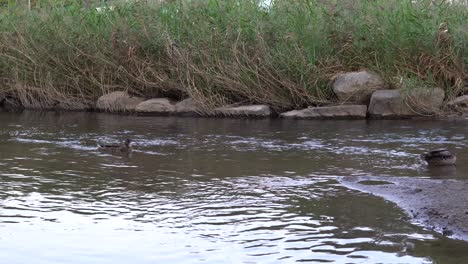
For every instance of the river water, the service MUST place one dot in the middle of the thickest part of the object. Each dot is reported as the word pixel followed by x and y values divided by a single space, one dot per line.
pixel 199 190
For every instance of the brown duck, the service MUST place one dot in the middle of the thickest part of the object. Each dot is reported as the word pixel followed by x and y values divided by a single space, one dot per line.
pixel 439 157
pixel 125 146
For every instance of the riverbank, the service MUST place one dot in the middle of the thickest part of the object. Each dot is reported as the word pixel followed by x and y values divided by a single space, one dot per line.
pixel 436 204
pixel 375 103
pixel 220 54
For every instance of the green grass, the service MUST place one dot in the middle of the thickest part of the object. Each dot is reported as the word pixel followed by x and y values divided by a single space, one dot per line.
pixel 222 52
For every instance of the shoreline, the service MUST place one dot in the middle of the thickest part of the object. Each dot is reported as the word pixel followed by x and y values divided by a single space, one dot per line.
pixel 273 116
pixel 358 95
pixel 436 204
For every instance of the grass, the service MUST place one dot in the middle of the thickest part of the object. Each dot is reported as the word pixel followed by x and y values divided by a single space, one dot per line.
pixel 229 51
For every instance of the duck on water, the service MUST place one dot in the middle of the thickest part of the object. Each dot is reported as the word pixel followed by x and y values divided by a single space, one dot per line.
pixel 439 157
pixel 123 147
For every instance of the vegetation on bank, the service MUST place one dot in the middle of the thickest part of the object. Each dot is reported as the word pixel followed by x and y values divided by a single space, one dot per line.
pixel 228 51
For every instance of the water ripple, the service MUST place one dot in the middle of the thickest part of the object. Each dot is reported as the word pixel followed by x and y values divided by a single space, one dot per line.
pixel 212 191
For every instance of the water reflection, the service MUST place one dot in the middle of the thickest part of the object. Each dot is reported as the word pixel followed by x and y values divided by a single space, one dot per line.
pixel 442 171
pixel 212 190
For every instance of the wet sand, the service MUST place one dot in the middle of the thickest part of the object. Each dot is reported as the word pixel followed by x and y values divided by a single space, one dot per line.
pixel 437 204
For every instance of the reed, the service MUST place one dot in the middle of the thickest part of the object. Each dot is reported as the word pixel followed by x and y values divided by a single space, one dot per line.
pixel 229 51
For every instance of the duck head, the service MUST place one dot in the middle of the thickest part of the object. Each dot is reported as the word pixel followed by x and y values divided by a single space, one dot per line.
pixel 439 157
pixel 128 143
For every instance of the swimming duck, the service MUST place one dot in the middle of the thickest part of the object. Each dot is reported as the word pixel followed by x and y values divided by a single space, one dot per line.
pixel 125 146
pixel 439 157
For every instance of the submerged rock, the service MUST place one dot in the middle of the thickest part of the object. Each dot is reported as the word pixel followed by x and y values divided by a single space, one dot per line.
pixel 244 111
pixel 392 103
pixel 329 112
pixel 156 106
pixel 357 87
pixel 118 102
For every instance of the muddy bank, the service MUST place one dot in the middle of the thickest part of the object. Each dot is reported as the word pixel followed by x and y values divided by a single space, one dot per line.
pixel 437 204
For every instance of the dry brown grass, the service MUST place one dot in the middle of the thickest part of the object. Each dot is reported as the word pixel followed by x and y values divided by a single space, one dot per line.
pixel 228 54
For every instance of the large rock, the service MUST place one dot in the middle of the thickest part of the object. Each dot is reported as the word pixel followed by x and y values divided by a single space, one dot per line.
pixel 357 87
pixel 156 106
pixel 118 102
pixel 388 103
pixel 329 112
pixel 392 103
pixel 244 111
pixel 459 102
pixel 186 106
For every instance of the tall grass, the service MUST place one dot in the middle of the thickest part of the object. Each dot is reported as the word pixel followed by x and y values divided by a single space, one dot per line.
pixel 229 51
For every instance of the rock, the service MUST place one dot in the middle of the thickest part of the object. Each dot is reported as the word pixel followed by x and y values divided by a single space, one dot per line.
pixel 461 102
pixel 357 87
pixel 387 103
pixel 246 110
pixel 329 112
pixel 186 106
pixel 118 102
pixel 392 103
pixel 157 106
pixel 426 100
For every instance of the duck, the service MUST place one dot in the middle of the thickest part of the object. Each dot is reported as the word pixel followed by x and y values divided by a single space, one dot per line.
pixel 439 157
pixel 123 147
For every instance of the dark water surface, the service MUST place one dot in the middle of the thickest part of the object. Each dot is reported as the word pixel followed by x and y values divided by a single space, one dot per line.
pixel 214 190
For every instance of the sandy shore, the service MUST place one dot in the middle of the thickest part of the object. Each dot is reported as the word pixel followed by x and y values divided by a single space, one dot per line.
pixel 437 204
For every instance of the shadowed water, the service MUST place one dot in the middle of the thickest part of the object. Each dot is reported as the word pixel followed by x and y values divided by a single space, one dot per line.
pixel 214 190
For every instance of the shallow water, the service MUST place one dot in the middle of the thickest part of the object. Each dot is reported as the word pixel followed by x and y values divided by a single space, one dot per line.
pixel 214 190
